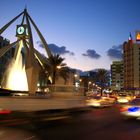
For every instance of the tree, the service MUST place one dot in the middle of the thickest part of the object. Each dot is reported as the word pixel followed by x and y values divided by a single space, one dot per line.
pixel 102 78
pixel 44 75
pixel 58 68
pixel 64 73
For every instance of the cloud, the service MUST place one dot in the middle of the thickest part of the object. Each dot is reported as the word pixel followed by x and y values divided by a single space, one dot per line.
pixel 91 54
pixel 115 52
pixel 56 49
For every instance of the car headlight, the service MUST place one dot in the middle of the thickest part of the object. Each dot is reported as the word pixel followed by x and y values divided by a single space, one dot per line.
pixel 122 100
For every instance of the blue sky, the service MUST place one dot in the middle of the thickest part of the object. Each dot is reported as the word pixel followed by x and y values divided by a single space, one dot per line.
pixel 88 33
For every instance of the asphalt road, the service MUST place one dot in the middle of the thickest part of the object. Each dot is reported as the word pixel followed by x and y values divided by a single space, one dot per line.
pixel 96 124
pixel 36 103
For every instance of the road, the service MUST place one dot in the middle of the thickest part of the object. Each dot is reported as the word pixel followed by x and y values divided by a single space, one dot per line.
pixel 95 124
pixel 40 103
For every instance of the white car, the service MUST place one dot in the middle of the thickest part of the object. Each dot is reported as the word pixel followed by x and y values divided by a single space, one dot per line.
pixel 99 102
pixel 123 98
pixel 131 110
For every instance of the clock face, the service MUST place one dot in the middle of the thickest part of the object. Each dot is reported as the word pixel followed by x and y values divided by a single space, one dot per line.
pixel 20 30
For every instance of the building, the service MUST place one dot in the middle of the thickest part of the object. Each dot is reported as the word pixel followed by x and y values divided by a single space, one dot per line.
pixel 4 60
pixel 131 51
pixel 117 73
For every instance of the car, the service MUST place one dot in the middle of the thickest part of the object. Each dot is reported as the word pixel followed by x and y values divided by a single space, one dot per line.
pixel 5 111
pixel 113 96
pixel 99 101
pixel 124 98
pixel 109 99
pixel 131 110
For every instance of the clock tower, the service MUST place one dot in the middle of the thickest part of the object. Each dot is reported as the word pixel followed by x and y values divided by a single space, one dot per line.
pixel 21 30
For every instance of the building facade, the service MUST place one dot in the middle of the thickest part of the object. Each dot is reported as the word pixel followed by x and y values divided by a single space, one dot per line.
pixel 117 74
pixel 131 51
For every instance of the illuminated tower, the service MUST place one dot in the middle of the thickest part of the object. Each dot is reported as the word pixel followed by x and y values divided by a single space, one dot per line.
pixel 131 52
pixel 33 59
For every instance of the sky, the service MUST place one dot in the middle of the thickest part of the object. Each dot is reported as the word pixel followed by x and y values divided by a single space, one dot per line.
pixel 88 33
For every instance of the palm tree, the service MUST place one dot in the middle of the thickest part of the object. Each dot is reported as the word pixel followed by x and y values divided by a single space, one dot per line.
pixel 44 75
pixel 58 68
pixel 102 78
pixel 64 73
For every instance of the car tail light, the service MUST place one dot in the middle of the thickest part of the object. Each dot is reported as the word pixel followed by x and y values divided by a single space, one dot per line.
pixel 3 111
pixel 123 109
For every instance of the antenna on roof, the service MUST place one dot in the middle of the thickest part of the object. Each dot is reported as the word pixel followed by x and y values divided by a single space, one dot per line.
pixel 130 36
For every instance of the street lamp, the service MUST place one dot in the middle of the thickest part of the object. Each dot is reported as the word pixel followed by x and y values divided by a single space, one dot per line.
pixel 58 67
pixel 75 75
pixel 89 83
pixel 75 78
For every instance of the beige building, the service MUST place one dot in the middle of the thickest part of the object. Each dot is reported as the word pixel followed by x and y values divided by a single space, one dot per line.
pixel 131 52
pixel 117 75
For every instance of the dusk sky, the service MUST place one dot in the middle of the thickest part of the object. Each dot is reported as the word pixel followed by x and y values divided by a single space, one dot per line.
pixel 88 33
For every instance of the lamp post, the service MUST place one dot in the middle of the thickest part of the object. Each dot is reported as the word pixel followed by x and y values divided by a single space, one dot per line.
pixel 75 78
pixel 89 83
pixel 56 68
pixel 76 84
